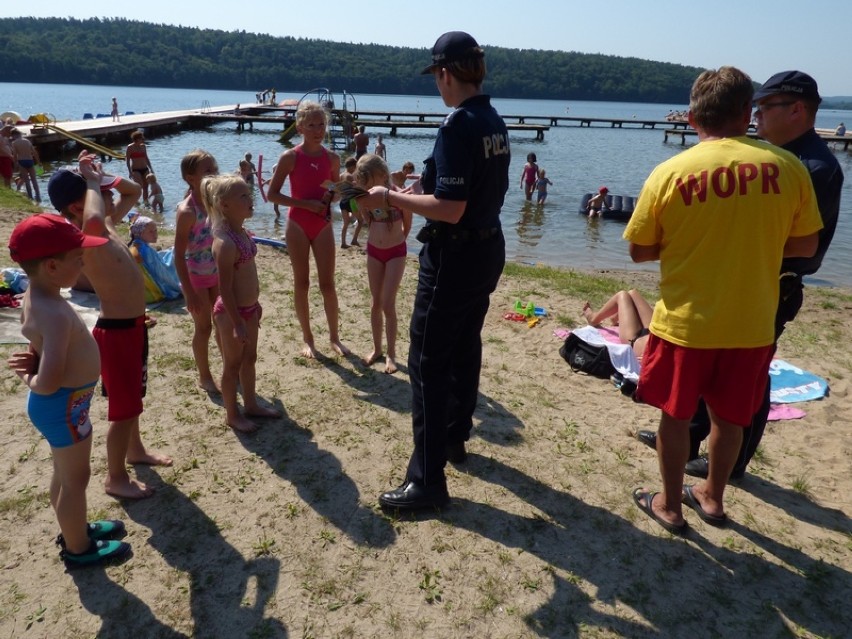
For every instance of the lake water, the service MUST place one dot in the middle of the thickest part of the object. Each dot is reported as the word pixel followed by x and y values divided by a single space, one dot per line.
pixel 577 160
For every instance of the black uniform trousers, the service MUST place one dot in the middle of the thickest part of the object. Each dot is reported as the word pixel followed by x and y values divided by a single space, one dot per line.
pixel 454 286
pixel 789 302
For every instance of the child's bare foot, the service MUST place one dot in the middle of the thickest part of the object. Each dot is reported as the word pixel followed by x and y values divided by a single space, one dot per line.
pixel 150 322
pixel 209 385
pixel 340 349
pixel 309 351
pixel 128 489
pixel 262 411
pixel 344 245
pixel 372 358
pixel 355 243
pixel 150 459
pixel 390 365
pixel 242 424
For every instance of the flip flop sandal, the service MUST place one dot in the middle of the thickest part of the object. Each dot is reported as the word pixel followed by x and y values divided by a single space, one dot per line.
pixel 644 500
pixel 688 499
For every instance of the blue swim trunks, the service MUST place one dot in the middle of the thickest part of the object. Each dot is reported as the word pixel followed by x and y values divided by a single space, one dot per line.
pixel 63 417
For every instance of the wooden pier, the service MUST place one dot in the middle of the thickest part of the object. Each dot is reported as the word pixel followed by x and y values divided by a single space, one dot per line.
pixel 829 137
pixel 52 137
pixel 97 133
pixel 423 121
pixel 101 132
pixel 552 120
pixel 614 123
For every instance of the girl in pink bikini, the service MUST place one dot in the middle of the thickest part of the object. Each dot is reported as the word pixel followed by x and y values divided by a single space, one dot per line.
pixel 236 311
pixel 312 170
pixel 386 251
pixel 194 262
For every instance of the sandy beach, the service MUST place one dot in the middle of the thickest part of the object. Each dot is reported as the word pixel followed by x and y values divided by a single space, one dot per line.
pixel 278 534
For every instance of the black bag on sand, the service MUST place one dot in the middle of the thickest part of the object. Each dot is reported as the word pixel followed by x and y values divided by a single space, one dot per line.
pixel 584 357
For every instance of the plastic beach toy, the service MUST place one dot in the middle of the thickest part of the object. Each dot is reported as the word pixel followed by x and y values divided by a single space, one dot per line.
pixel 529 309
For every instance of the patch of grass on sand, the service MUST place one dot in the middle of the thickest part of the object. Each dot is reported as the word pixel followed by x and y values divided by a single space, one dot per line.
pixel 24 503
pixel 590 286
pixel 537 283
pixel 801 485
pixel 10 199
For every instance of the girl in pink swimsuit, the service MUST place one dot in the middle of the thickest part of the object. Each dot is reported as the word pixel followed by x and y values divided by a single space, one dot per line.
pixel 529 175
pixel 312 170
pixel 386 250
pixel 228 199
pixel 194 262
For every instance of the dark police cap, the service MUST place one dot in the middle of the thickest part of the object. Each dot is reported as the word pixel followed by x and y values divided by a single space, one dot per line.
pixel 453 46
pixel 793 82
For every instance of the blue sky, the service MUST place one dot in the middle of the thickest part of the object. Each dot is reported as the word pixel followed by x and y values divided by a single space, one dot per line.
pixel 759 36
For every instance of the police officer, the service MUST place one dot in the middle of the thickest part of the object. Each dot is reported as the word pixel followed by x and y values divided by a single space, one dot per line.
pixel 464 184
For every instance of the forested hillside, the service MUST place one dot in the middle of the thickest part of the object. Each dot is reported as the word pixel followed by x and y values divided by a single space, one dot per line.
pixel 122 52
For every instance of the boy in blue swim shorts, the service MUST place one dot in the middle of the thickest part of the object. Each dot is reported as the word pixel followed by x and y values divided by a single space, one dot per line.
pixel 61 368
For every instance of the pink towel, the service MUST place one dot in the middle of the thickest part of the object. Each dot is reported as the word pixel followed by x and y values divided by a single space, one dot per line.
pixel 610 334
pixel 778 412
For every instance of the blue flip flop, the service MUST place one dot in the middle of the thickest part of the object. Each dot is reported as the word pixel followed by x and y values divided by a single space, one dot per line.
pixel 644 500
pixel 688 499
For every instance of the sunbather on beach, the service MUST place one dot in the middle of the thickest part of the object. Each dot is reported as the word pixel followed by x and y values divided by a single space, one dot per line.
pixel 630 312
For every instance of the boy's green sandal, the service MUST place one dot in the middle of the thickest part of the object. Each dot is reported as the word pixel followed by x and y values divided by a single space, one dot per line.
pixel 106 529
pixel 100 529
pixel 99 552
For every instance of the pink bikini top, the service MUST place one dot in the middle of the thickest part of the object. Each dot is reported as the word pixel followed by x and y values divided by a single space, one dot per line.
pixel 389 215
pixel 246 247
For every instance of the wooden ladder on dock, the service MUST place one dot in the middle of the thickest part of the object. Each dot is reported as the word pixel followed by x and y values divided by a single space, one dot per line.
pixel 341 121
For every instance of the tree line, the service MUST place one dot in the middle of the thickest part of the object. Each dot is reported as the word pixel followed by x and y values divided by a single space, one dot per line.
pixel 115 51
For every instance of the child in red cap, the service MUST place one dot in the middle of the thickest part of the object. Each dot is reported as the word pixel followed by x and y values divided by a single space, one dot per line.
pixel 61 368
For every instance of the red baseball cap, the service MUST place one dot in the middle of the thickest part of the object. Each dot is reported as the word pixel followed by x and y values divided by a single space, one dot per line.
pixel 46 234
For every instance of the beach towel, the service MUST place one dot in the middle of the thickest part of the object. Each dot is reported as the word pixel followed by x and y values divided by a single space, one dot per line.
pixel 158 270
pixel 10 326
pixel 789 384
pixel 86 305
pixel 780 412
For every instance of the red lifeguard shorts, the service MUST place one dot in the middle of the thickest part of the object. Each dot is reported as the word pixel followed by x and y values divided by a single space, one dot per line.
pixel 731 380
pixel 123 344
